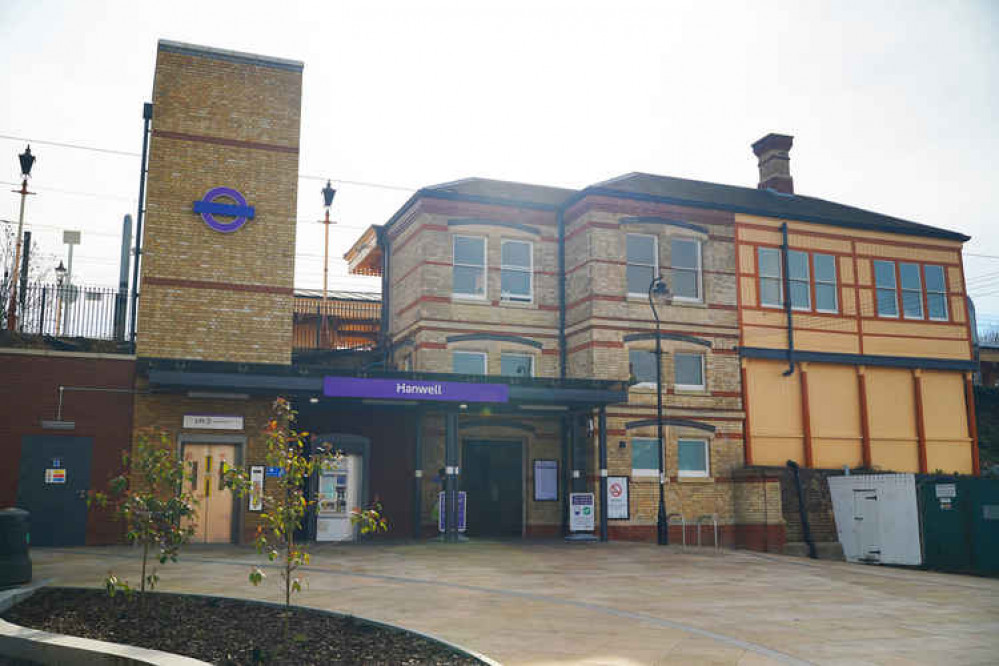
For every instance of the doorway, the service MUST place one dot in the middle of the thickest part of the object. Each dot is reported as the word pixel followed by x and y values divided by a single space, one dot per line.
pixel 206 463
pixel 866 524
pixel 53 483
pixel 493 478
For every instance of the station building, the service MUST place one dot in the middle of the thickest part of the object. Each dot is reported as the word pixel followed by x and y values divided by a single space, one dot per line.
pixel 510 358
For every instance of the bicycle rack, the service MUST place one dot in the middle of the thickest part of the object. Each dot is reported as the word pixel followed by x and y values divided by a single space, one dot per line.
pixel 683 526
pixel 714 521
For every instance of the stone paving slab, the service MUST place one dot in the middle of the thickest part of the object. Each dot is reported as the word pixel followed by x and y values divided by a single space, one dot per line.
pixel 551 603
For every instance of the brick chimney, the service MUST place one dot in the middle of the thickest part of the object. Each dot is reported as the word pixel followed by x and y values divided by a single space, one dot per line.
pixel 775 163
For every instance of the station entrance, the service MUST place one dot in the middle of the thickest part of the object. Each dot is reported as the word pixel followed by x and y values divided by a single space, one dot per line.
pixel 493 480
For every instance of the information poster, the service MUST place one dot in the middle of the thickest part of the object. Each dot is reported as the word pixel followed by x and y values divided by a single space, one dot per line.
pixel 617 498
pixel 545 480
pixel 581 512
pixel 442 511
pixel 256 487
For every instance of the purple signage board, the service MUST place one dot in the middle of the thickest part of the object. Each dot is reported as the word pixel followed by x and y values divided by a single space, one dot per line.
pixel 409 389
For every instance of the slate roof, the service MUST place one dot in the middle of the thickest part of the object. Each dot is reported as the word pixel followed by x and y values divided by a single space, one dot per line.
pixel 769 203
pixel 504 189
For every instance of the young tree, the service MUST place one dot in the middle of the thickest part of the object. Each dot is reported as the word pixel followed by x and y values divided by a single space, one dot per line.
pixel 151 499
pixel 284 499
pixel 40 268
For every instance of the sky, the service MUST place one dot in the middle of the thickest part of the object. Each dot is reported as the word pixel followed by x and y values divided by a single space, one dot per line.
pixel 892 105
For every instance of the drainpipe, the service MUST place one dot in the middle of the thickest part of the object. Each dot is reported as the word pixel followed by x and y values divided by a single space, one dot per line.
pixel 561 295
pixel 381 238
pixel 806 530
pixel 147 115
pixel 787 301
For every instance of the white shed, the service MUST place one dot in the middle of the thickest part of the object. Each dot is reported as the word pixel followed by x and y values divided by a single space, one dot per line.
pixel 877 518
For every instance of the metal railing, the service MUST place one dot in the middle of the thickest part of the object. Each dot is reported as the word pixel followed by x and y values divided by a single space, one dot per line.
pixel 70 311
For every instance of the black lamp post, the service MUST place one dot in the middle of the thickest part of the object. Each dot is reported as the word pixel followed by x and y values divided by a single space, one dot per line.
pixel 27 160
pixel 60 272
pixel 328 194
pixel 658 289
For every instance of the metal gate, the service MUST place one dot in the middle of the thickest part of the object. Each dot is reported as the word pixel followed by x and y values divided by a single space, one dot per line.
pixel 53 483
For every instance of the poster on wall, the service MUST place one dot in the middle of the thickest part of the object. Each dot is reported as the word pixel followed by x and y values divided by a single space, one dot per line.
pixel 442 511
pixel 545 480
pixel 617 498
pixel 581 512
pixel 256 487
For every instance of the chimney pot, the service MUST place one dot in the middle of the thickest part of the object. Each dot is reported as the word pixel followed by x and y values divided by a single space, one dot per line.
pixel 775 162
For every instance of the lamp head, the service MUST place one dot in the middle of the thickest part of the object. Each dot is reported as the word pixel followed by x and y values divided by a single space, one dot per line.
pixel 60 272
pixel 27 161
pixel 328 194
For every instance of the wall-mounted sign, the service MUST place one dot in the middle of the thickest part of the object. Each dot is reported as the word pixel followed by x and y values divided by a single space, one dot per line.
pixel 406 389
pixel 617 498
pixel 213 422
pixel 275 471
pixel 946 490
pixel 256 487
pixel 55 475
pixel 442 511
pixel 545 480
pixel 581 512
pixel 213 203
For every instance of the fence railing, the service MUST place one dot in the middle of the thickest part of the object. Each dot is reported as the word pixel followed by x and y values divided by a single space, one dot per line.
pixel 70 311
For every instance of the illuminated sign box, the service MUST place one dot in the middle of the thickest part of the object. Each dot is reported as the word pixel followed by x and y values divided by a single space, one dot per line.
pixel 407 389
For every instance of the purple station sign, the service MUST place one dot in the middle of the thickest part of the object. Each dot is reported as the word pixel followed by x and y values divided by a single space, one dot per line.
pixel 408 389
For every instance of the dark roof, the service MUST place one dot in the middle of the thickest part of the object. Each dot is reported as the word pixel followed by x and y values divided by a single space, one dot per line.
pixel 766 203
pixel 506 190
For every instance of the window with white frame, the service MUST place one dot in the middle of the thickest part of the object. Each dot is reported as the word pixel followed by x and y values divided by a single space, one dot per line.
pixel 936 292
pixel 644 456
pixel 912 291
pixel 642 367
pixel 692 458
pixel 516 365
pixel 469 267
pixel 771 288
pixel 685 261
pixel 799 277
pixel 688 372
pixel 468 363
pixel 516 270
pixel 643 263
pixel 884 283
pixel 826 294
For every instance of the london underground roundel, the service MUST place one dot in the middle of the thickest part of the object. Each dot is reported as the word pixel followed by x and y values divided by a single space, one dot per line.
pixel 214 205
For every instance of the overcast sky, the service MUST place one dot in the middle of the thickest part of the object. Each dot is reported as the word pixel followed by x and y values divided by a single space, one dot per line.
pixel 893 105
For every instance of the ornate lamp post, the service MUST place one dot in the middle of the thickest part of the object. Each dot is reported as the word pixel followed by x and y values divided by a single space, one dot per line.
pixel 27 161
pixel 328 194
pixel 659 290
pixel 60 272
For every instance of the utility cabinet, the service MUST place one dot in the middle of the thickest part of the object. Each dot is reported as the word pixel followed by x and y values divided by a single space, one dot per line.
pixel 877 518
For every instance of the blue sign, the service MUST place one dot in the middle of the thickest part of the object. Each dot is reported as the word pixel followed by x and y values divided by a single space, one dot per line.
pixel 442 511
pixel 408 389
pixel 275 471
pixel 210 206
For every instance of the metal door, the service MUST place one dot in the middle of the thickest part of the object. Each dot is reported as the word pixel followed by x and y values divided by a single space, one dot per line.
pixel 206 463
pixel 53 483
pixel 866 524
pixel 492 475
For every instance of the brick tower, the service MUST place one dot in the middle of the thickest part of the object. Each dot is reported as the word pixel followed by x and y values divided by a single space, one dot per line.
pixel 219 248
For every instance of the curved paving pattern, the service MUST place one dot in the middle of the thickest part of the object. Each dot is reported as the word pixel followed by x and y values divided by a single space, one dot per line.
pixel 618 603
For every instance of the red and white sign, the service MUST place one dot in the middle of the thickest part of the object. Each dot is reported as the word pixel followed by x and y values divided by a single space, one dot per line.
pixel 617 498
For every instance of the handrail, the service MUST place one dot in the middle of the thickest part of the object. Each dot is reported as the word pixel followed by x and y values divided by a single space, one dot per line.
pixel 713 517
pixel 683 526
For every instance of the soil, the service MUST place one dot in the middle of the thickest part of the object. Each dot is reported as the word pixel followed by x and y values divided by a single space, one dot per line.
pixel 227 631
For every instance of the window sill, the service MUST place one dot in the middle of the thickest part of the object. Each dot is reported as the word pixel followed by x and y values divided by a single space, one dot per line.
pixel 643 387
pixel 695 479
pixel 472 300
pixel 688 304
pixel 505 302
pixel 690 390
pixel 644 476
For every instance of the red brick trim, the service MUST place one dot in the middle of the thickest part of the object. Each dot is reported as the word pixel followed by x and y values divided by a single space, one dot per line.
pixel 845 237
pixel 220 286
pixel 219 141
pixel 753 536
pixel 747 445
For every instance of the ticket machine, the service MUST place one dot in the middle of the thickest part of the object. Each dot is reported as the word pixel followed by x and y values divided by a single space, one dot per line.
pixel 338 492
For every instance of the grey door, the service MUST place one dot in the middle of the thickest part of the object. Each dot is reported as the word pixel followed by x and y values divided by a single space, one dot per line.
pixel 492 476
pixel 52 485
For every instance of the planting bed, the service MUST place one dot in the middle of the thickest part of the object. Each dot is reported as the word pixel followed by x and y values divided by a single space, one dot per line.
pixel 227 631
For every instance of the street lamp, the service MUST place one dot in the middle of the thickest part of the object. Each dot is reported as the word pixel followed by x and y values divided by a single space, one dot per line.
pixel 659 290
pixel 27 160
pixel 60 272
pixel 328 194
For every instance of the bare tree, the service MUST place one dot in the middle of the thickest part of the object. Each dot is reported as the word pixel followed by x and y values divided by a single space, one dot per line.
pixel 41 268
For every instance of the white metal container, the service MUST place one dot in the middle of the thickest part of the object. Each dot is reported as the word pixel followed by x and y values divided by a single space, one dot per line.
pixel 877 518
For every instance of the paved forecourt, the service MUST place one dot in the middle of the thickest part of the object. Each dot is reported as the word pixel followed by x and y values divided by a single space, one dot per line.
pixel 617 603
